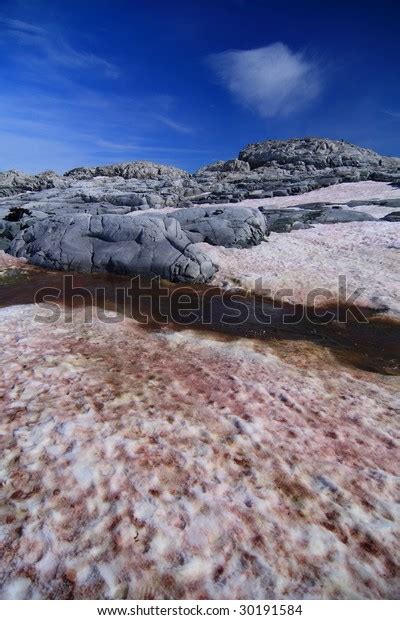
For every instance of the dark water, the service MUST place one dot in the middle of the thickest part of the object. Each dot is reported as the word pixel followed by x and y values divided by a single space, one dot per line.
pixel 365 341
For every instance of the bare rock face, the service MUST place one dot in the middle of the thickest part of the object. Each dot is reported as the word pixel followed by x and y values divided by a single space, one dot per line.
pixel 392 217
pixel 150 246
pixel 34 209
pixel 263 170
pixel 163 245
pixel 231 165
pixel 216 166
pixel 144 244
pixel 99 195
pixel 286 167
pixel 315 154
pixel 129 170
pixel 285 220
pixel 233 227
pixel 15 182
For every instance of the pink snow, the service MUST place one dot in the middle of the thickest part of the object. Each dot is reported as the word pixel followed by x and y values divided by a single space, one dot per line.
pixel 342 192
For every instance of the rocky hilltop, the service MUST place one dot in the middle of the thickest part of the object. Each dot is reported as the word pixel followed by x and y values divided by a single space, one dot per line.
pixel 15 182
pixel 286 167
pixel 264 169
pixel 314 153
pixel 129 170
pixel 86 219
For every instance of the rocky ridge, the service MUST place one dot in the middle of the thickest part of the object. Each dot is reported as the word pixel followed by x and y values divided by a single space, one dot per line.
pixel 281 168
pixel 36 211
pixel 15 182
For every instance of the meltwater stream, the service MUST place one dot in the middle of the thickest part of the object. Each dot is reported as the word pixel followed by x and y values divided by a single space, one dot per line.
pixel 368 341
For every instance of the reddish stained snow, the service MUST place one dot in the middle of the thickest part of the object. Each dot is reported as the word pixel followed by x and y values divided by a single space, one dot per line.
pixel 10 261
pixel 179 465
pixel 366 253
pixel 182 465
pixel 342 192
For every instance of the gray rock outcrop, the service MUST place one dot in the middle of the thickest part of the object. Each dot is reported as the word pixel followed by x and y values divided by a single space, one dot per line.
pixel 15 182
pixel 141 244
pixel 85 219
pixel 129 170
pixel 146 245
pixel 235 227
pixel 286 167
pixel 392 217
pixel 262 170
pixel 231 165
pixel 314 154
pixel 284 220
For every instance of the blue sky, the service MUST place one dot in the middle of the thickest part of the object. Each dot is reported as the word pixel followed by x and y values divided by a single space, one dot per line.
pixel 185 82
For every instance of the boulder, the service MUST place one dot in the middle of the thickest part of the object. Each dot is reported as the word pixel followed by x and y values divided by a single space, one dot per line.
pixel 231 165
pixel 392 217
pixel 285 220
pixel 150 246
pixel 231 227
pixel 339 215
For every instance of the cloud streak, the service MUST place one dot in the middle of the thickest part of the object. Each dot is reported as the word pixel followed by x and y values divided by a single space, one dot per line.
pixel 169 122
pixel 56 50
pixel 39 131
pixel 392 113
pixel 53 100
pixel 59 108
pixel 273 81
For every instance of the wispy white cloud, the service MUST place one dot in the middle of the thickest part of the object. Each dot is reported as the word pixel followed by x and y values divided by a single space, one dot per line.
pixel 271 80
pixel 56 49
pixel 392 113
pixel 17 25
pixel 115 146
pixel 169 122
pixel 66 55
pixel 56 111
pixel 39 131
